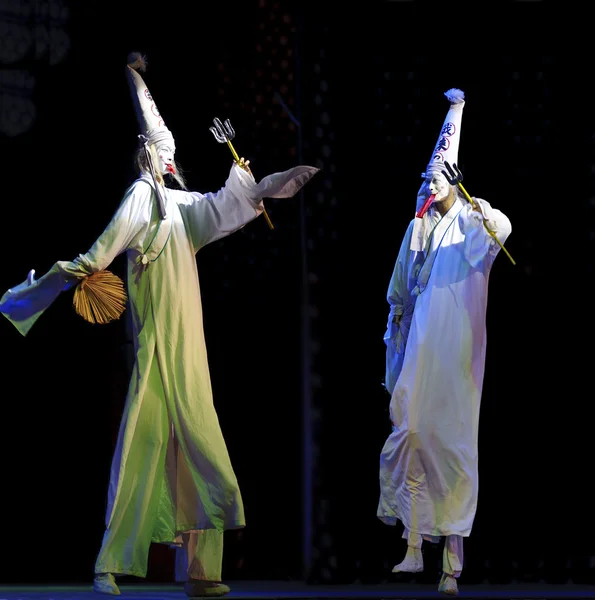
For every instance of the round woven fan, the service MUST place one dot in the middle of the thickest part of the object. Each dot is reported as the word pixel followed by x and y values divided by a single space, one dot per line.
pixel 100 298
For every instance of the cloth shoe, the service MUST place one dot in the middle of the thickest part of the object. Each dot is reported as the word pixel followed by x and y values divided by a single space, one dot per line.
pixel 448 585
pixel 413 562
pixel 105 583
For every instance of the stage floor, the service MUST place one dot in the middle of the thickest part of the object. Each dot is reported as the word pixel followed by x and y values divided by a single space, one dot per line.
pixel 272 590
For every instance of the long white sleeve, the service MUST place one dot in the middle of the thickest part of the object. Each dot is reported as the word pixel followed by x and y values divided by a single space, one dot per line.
pixel 131 218
pixel 397 329
pixel 212 216
pixel 23 304
pixel 479 244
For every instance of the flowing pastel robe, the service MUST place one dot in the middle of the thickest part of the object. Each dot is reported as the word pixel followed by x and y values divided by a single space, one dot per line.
pixel 436 344
pixel 171 471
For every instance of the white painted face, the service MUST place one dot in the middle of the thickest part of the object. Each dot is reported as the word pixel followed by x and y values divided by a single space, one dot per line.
pixel 166 153
pixel 434 183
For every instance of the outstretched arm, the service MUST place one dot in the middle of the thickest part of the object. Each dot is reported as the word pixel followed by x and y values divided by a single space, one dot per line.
pixel 212 216
pixel 23 304
pixel 131 218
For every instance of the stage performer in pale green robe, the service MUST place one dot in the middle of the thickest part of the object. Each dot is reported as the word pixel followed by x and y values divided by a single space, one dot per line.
pixel 171 479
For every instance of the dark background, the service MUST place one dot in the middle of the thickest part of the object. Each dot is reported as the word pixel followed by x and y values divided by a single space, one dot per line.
pixel 295 317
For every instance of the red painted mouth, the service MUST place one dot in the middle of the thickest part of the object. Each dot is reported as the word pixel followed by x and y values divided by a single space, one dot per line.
pixel 170 169
pixel 422 211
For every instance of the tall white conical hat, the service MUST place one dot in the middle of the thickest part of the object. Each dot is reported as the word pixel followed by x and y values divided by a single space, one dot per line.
pixel 151 122
pixel 445 150
pixel 447 146
pixel 152 126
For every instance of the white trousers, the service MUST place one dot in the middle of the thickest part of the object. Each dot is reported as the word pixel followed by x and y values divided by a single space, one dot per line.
pixel 201 556
pixel 452 555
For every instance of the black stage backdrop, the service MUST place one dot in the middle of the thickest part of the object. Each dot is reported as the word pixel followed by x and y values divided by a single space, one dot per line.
pixel 294 317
